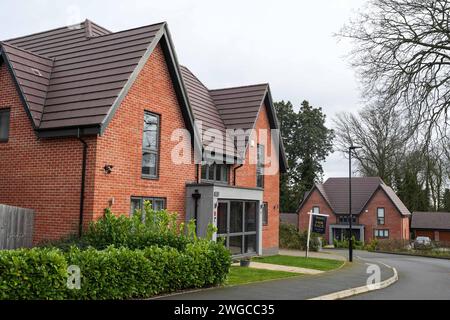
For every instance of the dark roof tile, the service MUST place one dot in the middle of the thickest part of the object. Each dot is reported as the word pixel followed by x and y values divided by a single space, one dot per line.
pixel 430 220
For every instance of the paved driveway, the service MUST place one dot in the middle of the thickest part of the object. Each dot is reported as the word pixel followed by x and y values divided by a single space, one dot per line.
pixel 298 288
pixel 419 278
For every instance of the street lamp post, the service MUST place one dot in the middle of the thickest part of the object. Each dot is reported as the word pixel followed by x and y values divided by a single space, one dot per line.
pixel 350 215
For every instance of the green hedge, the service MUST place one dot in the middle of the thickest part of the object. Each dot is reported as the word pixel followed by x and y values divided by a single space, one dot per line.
pixel 32 274
pixel 113 273
pixel 119 258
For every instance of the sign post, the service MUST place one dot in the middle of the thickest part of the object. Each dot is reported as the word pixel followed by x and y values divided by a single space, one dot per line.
pixel 318 223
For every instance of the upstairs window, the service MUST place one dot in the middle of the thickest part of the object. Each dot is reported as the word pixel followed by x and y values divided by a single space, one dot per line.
pixel 215 173
pixel 150 146
pixel 380 216
pixel 4 125
pixel 260 167
pixel 316 210
pixel 345 219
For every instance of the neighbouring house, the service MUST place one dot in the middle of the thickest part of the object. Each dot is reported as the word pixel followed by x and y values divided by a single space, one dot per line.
pixel 435 225
pixel 90 119
pixel 377 211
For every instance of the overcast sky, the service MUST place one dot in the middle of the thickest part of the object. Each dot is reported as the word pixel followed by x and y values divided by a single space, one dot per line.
pixel 289 44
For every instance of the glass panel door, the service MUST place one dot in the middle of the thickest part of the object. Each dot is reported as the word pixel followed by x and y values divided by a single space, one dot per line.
pixel 237 223
pixel 222 218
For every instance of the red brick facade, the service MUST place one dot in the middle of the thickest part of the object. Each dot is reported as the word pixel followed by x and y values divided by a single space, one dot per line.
pixel 397 224
pixel 246 177
pixel 45 174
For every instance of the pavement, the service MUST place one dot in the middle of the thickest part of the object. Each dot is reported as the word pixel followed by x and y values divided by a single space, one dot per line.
pixel 302 287
pixel 277 267
pixel 420 278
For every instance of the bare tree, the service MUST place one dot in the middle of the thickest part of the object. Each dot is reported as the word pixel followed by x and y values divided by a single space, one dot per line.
pixel 402 55
pixel 382 135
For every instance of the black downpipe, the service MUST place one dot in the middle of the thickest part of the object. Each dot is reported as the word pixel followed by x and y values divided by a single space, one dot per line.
pixel 234 173
pixel 196 195
pixel 83 178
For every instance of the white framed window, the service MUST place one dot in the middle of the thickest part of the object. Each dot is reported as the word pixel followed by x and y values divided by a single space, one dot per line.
pixel 380 216
pixel 381 233
pixel 316 209
pixel 137 203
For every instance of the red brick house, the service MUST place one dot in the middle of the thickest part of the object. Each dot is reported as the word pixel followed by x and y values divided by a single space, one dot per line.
pixel 87 122
pixel 377 211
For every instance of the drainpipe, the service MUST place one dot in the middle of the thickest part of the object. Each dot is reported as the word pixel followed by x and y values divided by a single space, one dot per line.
pixel 197 175
pixel 83 178
pixel 196 195
pixel 234 173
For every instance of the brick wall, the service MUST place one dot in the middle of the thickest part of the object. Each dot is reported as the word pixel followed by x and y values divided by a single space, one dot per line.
pixel 315 199
pixel 121 145
pixel 246 177
pixel 40 174
pixel 398 225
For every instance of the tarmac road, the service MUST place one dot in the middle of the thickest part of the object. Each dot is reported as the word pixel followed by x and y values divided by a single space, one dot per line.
pixel 419 278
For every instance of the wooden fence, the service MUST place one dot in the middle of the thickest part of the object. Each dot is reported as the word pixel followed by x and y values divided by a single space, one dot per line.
pixel 16 227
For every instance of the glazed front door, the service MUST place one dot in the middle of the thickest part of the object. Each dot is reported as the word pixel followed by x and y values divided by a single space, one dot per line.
pixel 237 224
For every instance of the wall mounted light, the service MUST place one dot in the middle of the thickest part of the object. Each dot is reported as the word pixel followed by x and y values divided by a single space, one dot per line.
pixel 108 168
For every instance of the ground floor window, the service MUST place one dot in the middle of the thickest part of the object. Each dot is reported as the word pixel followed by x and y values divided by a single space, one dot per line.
pixel 265 215
pixel 137 203
pixel 381 234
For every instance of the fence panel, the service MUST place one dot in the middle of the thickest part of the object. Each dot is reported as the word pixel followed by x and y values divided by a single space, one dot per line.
pixel 16 227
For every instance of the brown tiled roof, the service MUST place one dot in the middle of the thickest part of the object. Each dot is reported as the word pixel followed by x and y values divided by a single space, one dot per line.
pixel 239 106
pixel 205 111
pixel 75 77
pixel 336 193
pixel 430 220
pixel 82 71
pixel 229 108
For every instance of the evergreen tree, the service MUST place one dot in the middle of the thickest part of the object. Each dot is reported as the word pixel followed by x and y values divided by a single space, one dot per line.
pixel 307 142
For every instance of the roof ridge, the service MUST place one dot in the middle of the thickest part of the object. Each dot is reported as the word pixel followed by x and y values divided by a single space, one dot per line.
pixel 244 86
pixel 97 25
pixel 163 23
pixel 45 31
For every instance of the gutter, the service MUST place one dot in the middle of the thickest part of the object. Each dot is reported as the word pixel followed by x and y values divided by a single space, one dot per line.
pixel 83 178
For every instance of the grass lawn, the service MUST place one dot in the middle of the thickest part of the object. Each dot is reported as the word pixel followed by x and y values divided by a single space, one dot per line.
pixel 242 275
pixel 301 262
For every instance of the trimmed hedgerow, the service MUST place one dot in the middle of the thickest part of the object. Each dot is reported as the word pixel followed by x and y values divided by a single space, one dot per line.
pixel 119 258
pixel 38 273
pixel 113 273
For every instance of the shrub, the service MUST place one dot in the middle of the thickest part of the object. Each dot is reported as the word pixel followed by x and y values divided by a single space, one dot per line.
pixel 119 258
pixel 356 244
pixel 291 238
pixel 113 273
pixel 38 273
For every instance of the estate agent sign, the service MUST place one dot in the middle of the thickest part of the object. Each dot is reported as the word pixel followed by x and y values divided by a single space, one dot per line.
pixel 319 224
